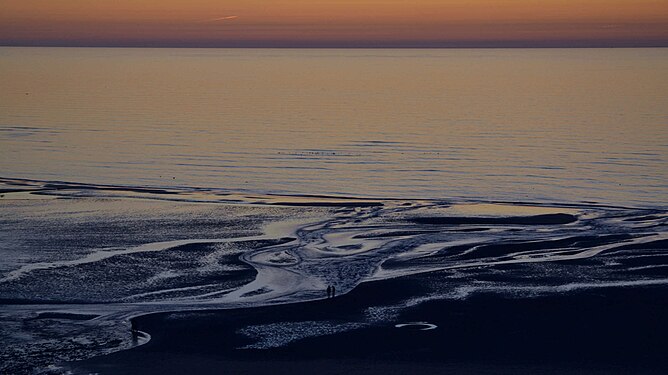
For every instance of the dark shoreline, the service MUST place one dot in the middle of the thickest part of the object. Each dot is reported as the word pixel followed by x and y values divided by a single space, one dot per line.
pixel 607 330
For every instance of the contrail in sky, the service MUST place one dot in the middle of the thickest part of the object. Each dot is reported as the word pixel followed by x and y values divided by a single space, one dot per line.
pixel 220 19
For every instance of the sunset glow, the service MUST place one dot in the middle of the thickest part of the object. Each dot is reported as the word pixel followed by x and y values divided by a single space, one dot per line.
pixel 334 23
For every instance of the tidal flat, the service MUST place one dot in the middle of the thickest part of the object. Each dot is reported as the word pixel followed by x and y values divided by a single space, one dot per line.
pixel 114 279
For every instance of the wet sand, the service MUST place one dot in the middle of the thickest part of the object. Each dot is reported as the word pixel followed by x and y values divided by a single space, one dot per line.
pixel 620 331
pixel 546 219
pixel 432 286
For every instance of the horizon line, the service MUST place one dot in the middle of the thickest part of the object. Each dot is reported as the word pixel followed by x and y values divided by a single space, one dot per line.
pixel 315 46
pixel 340 43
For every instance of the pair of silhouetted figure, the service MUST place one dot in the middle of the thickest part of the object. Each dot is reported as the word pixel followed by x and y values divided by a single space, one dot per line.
pixel 331 291
pixel 134 330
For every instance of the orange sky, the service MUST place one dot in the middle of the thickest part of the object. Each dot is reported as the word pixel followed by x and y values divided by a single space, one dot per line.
pixel 334 23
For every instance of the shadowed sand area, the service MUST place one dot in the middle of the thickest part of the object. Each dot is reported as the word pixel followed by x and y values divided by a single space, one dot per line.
pixel 547 219
pixel 620 331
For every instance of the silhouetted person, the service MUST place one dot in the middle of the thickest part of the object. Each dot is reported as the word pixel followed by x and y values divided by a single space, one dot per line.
pixel 333 291
pixel 329 291
pixel 134 330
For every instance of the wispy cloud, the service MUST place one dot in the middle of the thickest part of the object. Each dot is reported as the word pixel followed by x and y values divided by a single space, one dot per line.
pixel 217 19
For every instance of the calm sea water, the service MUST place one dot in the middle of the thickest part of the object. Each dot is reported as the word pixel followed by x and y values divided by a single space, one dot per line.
pixel 564 125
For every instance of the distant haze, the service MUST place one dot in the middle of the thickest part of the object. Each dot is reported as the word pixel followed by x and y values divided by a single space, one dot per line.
pixel 330 23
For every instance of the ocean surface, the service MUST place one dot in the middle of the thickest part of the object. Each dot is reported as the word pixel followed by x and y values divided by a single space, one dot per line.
pixel 176 210
pixel 540 125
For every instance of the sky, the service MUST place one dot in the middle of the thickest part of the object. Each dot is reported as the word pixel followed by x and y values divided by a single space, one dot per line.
pixel 330 23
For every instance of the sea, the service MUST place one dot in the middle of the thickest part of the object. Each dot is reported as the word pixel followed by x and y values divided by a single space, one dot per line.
pixel 542 125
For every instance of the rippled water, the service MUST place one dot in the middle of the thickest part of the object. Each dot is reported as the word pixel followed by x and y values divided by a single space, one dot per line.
pixel 555 125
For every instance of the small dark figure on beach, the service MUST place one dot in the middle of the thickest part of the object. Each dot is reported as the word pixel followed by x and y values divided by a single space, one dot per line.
pixel 134 330
pixel 329 291
pixel 333 291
